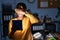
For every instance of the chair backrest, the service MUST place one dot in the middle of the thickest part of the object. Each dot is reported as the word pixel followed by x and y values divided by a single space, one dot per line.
pixel 6 16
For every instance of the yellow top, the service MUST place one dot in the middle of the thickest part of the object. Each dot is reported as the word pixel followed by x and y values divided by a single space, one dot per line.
pixel 25 34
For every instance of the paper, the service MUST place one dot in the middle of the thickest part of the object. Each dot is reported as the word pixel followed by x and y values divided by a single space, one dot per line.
pixel 43 4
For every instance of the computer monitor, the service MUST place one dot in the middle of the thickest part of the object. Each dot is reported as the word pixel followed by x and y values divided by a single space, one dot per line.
pixel 51 27
pixel 38 27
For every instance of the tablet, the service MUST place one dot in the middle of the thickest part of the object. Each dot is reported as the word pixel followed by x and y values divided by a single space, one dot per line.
pixel 17 24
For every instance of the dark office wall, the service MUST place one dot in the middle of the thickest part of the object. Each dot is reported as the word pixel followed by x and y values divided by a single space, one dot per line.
pixel 33 7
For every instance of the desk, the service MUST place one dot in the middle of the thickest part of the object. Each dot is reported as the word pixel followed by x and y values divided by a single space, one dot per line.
pixel 57 36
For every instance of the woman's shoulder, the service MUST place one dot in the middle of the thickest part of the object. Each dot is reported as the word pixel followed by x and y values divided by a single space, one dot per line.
pixel 14 19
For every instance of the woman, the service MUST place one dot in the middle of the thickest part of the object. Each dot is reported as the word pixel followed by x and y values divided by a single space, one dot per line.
pixel 27 19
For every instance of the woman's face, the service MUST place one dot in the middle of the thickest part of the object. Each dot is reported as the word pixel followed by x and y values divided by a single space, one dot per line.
pixel 19 12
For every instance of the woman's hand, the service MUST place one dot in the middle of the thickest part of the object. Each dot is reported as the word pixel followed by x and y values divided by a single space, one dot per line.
pixel 23 13
pixel 19 12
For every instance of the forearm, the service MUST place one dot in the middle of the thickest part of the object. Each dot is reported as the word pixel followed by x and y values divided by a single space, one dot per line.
pixel 32 18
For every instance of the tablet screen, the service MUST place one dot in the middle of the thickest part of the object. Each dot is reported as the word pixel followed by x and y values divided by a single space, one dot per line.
pixel 17 24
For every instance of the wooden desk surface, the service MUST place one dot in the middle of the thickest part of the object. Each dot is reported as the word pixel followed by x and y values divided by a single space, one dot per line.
pixel 57 36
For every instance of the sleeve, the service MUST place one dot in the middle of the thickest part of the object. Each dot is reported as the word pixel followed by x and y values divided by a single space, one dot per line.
pixel 32 18
pixel 10 26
